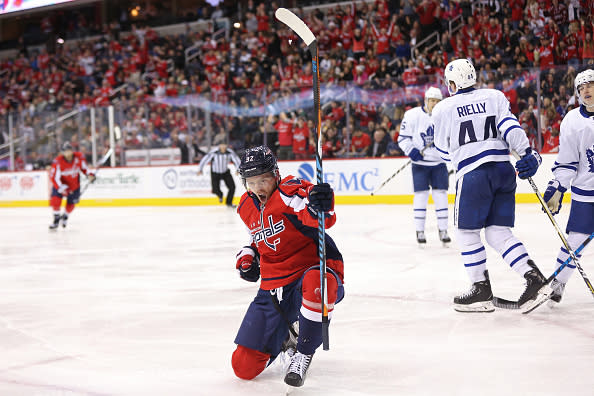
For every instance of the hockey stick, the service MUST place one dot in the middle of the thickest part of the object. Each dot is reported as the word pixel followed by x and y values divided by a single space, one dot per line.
pixel 398 171
pixel 299 27
pixel 507 304
pixel 102 162
pixel 561 235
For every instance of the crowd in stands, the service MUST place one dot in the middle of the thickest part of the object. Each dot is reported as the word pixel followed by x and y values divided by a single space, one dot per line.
pixel 372 44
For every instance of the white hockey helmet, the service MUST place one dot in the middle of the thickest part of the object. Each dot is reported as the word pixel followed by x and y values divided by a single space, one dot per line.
pixel 582 78
pixel 433 93
pixel 461 72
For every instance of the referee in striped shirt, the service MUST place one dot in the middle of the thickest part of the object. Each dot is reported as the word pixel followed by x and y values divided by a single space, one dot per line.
pixel 219 159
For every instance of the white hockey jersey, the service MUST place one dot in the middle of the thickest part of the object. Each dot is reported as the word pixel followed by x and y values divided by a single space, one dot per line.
pixel 575 162
pixel 476 126
pixel 416 131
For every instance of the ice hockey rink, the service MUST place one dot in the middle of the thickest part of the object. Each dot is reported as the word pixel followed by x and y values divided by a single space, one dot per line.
pixel 146 301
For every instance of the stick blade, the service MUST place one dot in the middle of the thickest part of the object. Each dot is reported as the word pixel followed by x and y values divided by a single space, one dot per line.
pixel 297 25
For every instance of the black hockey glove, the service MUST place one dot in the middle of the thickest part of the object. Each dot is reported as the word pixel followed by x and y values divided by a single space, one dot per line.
pixel 248 264
pixel 321 197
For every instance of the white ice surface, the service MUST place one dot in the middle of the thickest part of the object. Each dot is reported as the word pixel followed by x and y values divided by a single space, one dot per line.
pixel 146 301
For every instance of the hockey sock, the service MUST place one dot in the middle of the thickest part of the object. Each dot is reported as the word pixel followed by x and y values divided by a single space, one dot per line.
pixel 310 336
pixel 474 255
pixel 574 239
pixel 420 209
pixel 69 208
pixel 440 197
pixel 310 320
pixel 509 247
pixel 55 203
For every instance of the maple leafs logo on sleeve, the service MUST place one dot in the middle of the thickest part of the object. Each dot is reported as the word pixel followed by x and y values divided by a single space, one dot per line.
pixel 590 156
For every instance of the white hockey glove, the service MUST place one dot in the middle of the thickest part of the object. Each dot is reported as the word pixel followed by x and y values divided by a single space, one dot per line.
pixel 553 196
pixel 63 189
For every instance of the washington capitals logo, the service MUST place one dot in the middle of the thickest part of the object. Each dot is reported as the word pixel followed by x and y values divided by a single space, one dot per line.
pixel 590 156
pixel 262 234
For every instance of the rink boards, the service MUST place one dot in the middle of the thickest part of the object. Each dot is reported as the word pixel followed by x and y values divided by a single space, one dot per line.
pixel 353 181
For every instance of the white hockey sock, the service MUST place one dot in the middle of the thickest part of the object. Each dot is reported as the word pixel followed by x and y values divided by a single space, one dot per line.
pixel 509 247
pixel 420 209
pixel 574 239
pixel 440 197
pixel 474 255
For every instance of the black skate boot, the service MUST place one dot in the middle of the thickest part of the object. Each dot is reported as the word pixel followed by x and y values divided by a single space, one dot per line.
pixel 56 222
pixel 64 220
pixel 537 290
pixel 421 237
pixel 478 299
pixel 298 369
pixel 558 289
pixel 444 237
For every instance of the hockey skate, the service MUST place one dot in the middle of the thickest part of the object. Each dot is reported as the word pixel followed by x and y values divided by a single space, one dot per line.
pixel 56 222
pixel 421 240
pixel 444 237
pixel 537 289
pixel 64 219
pixel 298 369
pixel 477 299
pixel 557 293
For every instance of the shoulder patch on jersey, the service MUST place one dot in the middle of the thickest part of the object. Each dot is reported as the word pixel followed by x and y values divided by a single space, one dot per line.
pixel 293 182
pixel 590 156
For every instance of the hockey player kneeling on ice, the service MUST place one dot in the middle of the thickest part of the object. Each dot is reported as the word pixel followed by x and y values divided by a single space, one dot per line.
pixel 574 167
pixel 428 168
pixel 65 178
pixel 475 129
pixel 281 216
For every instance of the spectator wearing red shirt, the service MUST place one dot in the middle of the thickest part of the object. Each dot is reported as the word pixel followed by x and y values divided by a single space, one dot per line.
pixel 263 19
pixel 572 52
pixel 411 74
pixel 360 142
pixel 382 38
pixel 429 13
pixel 358 39
pixel 346 38
pixel 494 32
pixel 545 53
pixel 300 139
pixel 382 14
pixel 587 46
pixel 511 94
pixel 551 138
pixel 336 113
pixel 284 128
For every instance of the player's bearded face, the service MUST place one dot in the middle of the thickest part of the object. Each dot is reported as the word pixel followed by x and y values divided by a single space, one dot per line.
pixel 68 154
pixel 586 92
pixel 262 186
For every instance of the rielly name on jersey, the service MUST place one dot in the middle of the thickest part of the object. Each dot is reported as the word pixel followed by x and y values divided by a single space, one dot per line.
pixel 282 231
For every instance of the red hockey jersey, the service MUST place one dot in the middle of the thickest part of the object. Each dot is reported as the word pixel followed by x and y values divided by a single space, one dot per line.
pixel 67 173
pixel 285 232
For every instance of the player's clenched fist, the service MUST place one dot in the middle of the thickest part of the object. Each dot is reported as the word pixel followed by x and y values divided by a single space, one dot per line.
pixel 248 264
pixel 321 197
